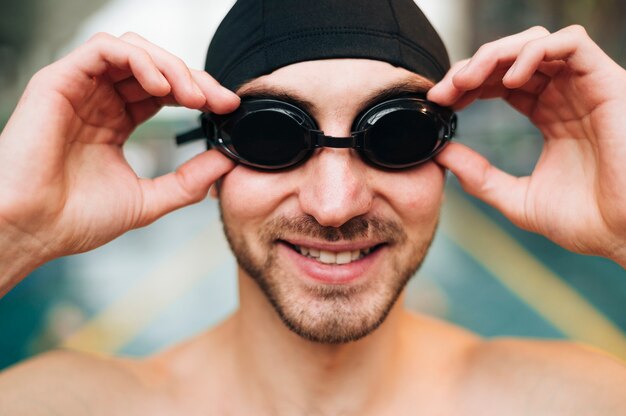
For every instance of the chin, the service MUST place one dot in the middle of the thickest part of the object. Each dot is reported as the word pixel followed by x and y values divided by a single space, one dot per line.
pixel 331 299
pixel 330 313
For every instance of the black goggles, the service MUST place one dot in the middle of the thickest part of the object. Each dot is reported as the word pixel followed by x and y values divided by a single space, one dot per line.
pixel 269 134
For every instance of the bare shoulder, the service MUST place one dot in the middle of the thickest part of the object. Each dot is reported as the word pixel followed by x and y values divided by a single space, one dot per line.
pixel 458 337
pixel 545 377
pixel 73 383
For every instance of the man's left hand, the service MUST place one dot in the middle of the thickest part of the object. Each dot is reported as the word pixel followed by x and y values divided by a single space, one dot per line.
pixel 576 95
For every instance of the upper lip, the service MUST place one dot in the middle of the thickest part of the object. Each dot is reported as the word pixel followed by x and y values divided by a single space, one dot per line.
pixel 335 247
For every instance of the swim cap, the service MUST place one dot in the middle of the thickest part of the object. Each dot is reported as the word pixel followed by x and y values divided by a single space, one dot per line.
pixel 259 36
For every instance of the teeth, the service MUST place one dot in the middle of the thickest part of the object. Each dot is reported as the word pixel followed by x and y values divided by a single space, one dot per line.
pixel 330 257
pixel 344 257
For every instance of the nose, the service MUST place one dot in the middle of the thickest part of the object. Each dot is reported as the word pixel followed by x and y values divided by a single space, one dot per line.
pixel 335 188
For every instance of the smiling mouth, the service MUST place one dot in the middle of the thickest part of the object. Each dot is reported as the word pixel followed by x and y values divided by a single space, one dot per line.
pixel 333 257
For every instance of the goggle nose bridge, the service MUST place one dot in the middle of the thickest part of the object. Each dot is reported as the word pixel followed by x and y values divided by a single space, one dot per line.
pixel 355 141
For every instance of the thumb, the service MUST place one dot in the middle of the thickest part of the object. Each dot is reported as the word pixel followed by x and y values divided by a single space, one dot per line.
pixel 189 184
pixel 480 178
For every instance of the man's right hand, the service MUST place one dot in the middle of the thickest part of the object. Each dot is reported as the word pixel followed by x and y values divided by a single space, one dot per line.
pixel 64 183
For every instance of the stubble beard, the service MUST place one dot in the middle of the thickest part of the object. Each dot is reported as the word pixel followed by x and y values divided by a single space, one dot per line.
pixel 329 314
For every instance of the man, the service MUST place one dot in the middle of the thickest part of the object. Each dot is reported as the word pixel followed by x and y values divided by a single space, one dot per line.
pixel 318 332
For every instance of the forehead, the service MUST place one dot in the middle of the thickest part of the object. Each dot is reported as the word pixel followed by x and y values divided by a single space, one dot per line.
pixel 337 83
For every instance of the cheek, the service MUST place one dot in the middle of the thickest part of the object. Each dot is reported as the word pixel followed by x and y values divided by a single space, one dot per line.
pixel 414 195
pixel 249 196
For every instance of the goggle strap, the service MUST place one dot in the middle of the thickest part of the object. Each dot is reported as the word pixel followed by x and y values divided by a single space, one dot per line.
pixel 189 136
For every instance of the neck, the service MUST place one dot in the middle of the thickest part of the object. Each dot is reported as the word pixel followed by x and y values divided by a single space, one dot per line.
pixel 278 364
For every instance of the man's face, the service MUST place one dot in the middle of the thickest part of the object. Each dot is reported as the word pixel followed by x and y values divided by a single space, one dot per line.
pixel 332 243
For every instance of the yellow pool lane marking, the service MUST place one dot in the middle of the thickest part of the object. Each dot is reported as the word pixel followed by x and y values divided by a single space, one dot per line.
pixel 117 324
pixel 526 277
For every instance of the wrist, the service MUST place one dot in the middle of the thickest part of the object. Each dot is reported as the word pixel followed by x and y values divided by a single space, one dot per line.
pixel 20 254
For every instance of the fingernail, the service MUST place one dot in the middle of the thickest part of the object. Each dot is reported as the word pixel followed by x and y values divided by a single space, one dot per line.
pixel 228 94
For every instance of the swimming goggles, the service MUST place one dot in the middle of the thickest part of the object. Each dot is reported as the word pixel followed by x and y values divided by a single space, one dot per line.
pixel 269 134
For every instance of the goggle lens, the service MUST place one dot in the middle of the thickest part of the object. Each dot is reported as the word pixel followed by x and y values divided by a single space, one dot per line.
pixel 265 138
pixel 402 137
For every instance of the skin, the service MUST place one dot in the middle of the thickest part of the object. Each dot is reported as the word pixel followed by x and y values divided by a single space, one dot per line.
pixel 333 188
pixel 73 191
pixel 573 92
pixel 252 363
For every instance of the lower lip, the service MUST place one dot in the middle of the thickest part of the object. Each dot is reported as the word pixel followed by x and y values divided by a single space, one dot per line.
pixel 334 274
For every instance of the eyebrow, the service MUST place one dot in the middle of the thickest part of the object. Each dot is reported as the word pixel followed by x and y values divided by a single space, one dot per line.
pixel 396 90
pixel 282 94
pixel 413 86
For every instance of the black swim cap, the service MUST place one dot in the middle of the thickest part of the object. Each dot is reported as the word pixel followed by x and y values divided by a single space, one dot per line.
pixel 259 36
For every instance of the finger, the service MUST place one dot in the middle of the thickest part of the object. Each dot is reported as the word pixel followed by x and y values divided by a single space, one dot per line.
pixel 488 66
pixel 490 56
pixel 219 99
pixel 470 74
pixel 481 179
pixel 535 85
pixel 146 109
pixel 141 111
pixel 467 98
pixel 564 45
pixel 523 99
pixel 118 74
pixel 220 103
pixel 444 92
pixel 184 87
pixel 131 90
pixel 96 57
pixel 551 68
pixel 189 184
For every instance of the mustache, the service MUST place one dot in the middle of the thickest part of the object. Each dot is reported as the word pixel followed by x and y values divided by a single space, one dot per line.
pixel 359 227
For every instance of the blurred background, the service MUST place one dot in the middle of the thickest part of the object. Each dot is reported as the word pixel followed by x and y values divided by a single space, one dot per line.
pixel 158 285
